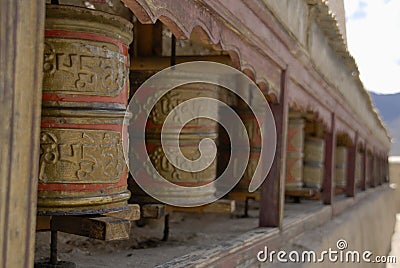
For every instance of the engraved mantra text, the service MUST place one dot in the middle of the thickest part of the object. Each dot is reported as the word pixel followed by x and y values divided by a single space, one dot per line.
pixel 71 156
pixel 86 67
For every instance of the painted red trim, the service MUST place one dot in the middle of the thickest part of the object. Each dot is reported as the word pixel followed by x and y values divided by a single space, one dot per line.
pixel 89 36
pixel 121 98
pixel 47 123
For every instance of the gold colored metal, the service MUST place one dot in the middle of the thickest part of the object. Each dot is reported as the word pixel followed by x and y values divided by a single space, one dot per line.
pixel 80 156
pixel 85 92
pixel 84 67
pixel 189 138
pixel 314 158
pixel 294 152
pixel 341 166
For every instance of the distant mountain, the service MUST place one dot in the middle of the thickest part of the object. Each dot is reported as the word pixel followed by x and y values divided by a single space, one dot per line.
pixel 389 109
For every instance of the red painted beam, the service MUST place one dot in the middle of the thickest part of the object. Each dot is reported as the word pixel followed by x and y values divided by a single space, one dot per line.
pixel 330 150
pixel 272 190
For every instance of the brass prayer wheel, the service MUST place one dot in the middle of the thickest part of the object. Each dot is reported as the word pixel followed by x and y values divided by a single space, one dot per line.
pixel 85 92
pixel 189 138
pixel 294 151
pixel 359 167
pixel 314 159
pixel 254 138
pixel 341 166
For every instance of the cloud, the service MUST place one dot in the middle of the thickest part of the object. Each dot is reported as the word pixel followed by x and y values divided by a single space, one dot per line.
pixel 374 41
pixel 359 12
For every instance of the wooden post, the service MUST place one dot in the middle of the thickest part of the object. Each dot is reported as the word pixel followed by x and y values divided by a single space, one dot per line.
pixel 21 61
pixel 351 169
pixel 330 143
pixel 272 196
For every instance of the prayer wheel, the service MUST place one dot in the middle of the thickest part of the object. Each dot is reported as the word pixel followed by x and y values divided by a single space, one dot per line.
pixel 85 91
pixel 341 166
pixel 314 159
pixel 254 139
pixel 189 138
pixel 359 168
pixel 294 151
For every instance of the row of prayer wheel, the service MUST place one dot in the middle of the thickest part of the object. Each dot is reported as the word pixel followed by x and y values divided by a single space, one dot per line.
pixel 305 158
pixel 85 96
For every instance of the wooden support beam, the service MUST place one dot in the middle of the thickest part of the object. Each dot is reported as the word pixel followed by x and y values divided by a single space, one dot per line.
pixel 132 213
pixel 351 168
pixel 219 206
pixel 102 228
pixel 159 63
pixel 148 39
pixel 153 211
pixel 330 143
pixel 43 223
pixel 272 193
pixel 21 75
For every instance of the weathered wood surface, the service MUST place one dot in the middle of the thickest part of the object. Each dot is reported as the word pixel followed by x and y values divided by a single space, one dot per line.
pixel 330 143
pixel 153 211
pixel 219 206
pixel 102 228
pixel 159 63
pixel 21 53
pixel 43 223
pixel 132 213
pixel 351 169
pixel 272 196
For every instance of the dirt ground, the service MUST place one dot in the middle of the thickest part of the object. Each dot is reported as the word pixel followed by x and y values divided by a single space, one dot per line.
pixel 188 232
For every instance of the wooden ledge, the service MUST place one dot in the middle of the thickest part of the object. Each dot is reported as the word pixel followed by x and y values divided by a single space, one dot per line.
pixel 102 228
pixel 153 211
pixel 222 206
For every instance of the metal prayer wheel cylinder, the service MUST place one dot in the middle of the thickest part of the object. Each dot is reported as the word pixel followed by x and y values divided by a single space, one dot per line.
pixel 294 151
pixel 254 139
pixel 341 166
pixel 314 160
pixel 189 138
pixel 85 91
pixel 358 168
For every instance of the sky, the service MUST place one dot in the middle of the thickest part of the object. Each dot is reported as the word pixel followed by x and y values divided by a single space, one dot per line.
pixel 373 37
